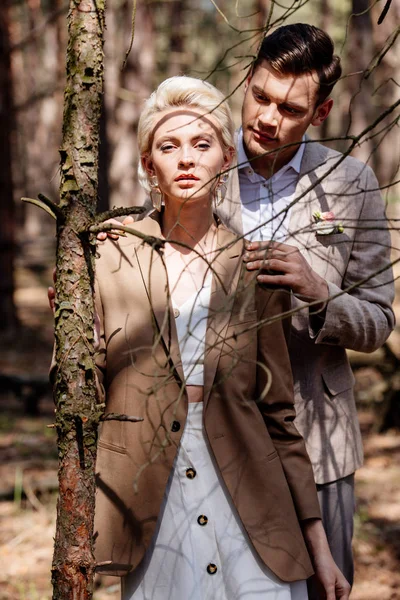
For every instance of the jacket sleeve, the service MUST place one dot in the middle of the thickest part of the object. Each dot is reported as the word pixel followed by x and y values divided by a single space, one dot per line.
pixel 276 398
pixel 100 345
pixel 359 315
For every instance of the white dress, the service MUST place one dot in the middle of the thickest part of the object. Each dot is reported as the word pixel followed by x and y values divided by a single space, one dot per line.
pixel 200 550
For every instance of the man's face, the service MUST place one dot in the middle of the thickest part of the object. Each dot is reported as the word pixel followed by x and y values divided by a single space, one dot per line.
pixel 277 110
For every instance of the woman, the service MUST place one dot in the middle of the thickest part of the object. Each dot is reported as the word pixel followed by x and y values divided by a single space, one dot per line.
pixel 202 498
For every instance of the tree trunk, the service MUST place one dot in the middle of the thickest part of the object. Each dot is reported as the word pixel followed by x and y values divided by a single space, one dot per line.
pixel 78 412
pixel 8 321
pixel 360 90
pixel 126 91
pixel 325 24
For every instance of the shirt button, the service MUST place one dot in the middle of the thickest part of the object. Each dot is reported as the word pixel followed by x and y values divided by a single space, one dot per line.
pixel 212 569
pixel 175 426
pixel 176 313
pixel 190 473
pixel 202 520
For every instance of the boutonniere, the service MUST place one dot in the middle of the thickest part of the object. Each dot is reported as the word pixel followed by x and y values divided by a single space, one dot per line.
pixel 325 223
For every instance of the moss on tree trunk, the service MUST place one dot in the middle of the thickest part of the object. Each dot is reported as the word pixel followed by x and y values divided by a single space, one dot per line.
pixel 77 406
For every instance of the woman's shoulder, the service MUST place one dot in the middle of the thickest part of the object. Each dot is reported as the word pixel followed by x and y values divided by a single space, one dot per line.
pixel 140 232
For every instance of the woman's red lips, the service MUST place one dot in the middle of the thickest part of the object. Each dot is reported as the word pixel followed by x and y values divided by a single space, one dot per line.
pixel 187 177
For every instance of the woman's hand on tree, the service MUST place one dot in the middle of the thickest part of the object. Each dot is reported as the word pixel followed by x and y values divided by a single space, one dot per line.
pixel 114 234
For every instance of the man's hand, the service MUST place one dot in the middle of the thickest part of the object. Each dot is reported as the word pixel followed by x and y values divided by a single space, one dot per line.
pixel 282 264
pixel 114 234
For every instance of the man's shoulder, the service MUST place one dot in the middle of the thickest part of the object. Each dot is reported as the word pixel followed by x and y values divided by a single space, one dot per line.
pixel 321 159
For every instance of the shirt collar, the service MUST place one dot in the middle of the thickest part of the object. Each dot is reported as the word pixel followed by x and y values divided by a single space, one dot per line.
pixel 245 165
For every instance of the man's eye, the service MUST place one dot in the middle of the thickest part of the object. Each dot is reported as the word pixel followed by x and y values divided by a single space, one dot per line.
pixel 290 110
pixel 260 97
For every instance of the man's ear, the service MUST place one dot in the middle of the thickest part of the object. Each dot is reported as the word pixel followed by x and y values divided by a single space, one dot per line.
pixel 321 112
pixel 248 79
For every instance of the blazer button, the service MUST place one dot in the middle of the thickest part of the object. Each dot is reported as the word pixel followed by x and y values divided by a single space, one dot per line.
pixel 175 426
pixel 202 520
pixel 212 569
pixel 190 473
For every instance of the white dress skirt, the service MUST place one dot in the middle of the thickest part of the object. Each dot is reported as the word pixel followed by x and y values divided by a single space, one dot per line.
pixel 200 550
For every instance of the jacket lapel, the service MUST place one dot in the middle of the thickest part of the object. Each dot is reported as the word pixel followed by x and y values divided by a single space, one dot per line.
pixel 310 197
pixel 154 276
pixel 230 210
pixel 226 271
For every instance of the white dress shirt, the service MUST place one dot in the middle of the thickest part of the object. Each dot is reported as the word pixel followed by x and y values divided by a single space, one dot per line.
pixel 264 201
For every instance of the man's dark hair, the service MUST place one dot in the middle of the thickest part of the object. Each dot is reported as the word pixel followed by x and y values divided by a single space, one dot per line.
pixel 300 48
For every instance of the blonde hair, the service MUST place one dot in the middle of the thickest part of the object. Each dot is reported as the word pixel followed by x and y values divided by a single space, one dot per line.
pixel 187 92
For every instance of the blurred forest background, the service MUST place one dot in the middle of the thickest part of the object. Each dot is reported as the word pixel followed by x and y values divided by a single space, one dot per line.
pixel 214 40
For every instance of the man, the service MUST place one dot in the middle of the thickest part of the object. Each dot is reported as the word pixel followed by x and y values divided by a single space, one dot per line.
pixel 331 248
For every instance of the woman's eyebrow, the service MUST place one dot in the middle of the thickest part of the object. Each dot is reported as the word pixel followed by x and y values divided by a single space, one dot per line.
pixel 166 138
pixel 208 135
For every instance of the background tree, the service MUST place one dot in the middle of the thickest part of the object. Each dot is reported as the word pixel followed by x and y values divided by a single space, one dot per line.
pixel 8 321
pixel 215 40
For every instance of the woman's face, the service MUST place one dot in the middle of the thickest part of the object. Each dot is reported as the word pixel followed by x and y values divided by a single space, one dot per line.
pixel 186 154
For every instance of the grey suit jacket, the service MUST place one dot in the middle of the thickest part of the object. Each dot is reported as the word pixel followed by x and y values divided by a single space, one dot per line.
pixel 356 265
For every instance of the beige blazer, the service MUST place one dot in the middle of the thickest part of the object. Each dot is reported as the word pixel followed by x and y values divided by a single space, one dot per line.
pixel 356 265
pixel 248 405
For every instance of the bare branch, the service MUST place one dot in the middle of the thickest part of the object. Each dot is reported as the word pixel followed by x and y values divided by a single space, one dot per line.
pixel 119 417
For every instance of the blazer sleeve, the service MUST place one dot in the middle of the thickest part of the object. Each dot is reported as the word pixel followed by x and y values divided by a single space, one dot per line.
pixel 100 344
pixel 359 315
pixel 276 398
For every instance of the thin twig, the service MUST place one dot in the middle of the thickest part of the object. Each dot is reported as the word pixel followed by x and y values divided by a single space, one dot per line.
pixel 132 34
pixel 119 212
pixel 384 12
pixel 119 417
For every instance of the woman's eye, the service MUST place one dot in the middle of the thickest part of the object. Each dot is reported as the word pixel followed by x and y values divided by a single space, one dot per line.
pixel 203 145
pixel 166 147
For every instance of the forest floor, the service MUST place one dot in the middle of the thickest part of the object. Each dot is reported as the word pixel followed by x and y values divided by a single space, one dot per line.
pixel 28 469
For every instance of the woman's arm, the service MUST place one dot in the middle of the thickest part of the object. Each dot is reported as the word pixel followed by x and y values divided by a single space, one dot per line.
pixel 332 581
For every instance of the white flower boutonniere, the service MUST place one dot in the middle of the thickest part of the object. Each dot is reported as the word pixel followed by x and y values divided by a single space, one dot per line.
pixel 325 223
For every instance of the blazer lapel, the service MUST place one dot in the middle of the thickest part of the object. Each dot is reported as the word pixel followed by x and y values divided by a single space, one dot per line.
pixel 226 271
pixel 310 197
pixel 155 280
pixel 230 210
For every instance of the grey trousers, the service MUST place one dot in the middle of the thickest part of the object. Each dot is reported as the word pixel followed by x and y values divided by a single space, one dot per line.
pixel 337 504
